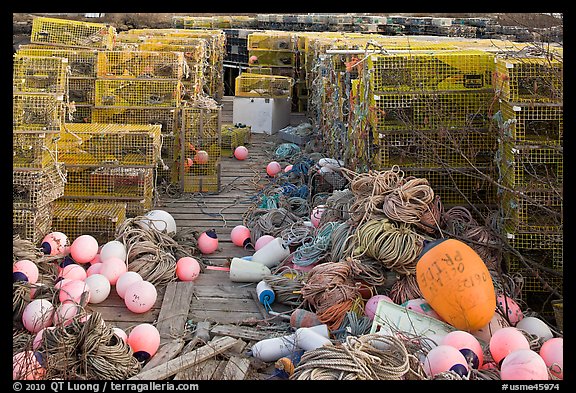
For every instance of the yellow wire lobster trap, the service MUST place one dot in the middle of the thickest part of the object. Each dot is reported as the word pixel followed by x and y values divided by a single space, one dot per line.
pixel 99 219
pixel 203 180
pixel 267 86
pixel 533 210
pixel 550 243
pixel 79 113
pixel 165 117
pixel 110 144
pixel 82 91
pixel 529 79
pixel 72 33
pixel 529 166
pixel 36 111
pixel 39 74
pixel 273 40
pixel 415 70
pixel 32 189
pixel 140 64
pixel 270 58
pixel 138 93
pixel 32 224
pixel 532 123
pixel 34 149
pixel 81 62
pixel 233 136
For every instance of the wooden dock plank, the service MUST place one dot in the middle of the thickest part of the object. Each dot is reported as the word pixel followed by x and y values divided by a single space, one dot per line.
pixel 174 312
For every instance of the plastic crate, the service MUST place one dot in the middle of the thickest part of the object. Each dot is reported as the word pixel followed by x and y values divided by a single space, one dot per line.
pixel 532 211
pixel 33 189
pixel 34 150
pixel 36 111
pixel 110 144
pixel 99 219
pixel 435 148
pixel 526 79
pixel 32 224
pixel 263 86
pixel 72 33
pixel 530 167
pixel 109 182
pixel 39 74
pixel 140 64
pixel 166 117
pixel 138 93
pixel 532 123
pixel 81 62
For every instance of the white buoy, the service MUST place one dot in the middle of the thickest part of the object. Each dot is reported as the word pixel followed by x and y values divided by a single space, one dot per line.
pixel 242 270
pixel 265 293
pixel 272 349
pixel 309 339
pixel 272 253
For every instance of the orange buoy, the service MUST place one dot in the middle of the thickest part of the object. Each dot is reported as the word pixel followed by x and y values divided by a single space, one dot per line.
pixel 456 283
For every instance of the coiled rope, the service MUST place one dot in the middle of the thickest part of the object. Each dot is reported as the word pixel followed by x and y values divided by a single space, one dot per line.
pixel 315 250
pixel 408 202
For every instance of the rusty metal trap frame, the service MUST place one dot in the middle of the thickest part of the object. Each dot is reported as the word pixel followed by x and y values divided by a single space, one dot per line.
pixel 140 64
pixel 429 111
pixel 138 93
pixel 82 91
pixel 533 210
pixel 37 111
pixel 267 86
pixel 99 219
pixel 539 123
pixel 34 149
pixel 109 182
pixel 529 79
pixel 433 148
pixel 39 74
pixel 110 144
pixel 32 189
pixel 81 62
pixel 424 70
pixel 32 224
pixel 530 166
pixel 72 33
pixel 166 117
pixel 458 185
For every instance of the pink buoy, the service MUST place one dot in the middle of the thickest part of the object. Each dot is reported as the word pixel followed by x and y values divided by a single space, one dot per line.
pixel 95 260
pixel 208 242
pixel 509 308
pixel 262 241
pixel 73 291
pixel 552 351
pixel 467 344
pixel 38 338
pixel 55 243
pixel 201 157
pixel 506 340
pixel 26 366
pixel 273 168
pixel 241 153
pixel 140 297
pixel 372 305
pixel 288 168
pixel 65 313
pixel 113 268
pixel 187 269
pixel 496 323
pixel 93 269
pixel 99 288
pixel 317 215
pixel 421 306
pixel 240 236
pixel 25 270
pixel 120 333
pixel 125 280
pixel 144 340
pixel 60 282
pixel 523 364
pixel 253 59
pixel 38 314
pixel 445 358
pixel 73 272
pixel 84 248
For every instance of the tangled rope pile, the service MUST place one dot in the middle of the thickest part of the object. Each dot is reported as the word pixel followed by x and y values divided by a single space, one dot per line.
pixel 268 222
pixel 331 291
pixel 358 358
pixel 87 350
pixel 151 253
